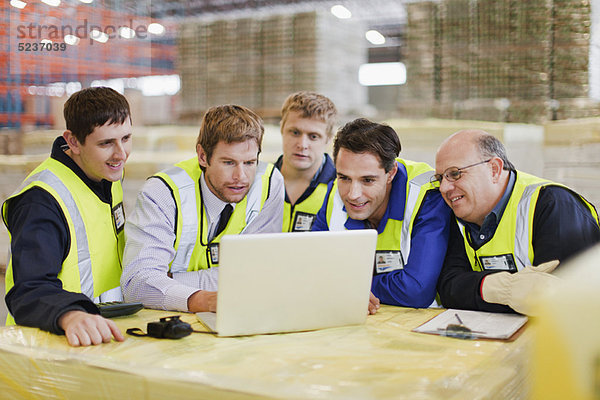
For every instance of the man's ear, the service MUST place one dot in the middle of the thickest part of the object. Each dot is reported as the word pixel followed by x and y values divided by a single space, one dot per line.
pixel 392 173
pixel 497 166
pixel 202 159
pixel 72 142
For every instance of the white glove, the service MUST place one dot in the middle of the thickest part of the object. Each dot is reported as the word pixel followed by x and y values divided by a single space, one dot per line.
pixel 515 290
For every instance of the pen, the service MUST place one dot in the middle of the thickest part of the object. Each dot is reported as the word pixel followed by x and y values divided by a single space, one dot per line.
pixel 458 318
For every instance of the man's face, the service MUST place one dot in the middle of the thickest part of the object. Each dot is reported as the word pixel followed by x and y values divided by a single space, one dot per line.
pixel 231 169
pixel 472 196
pixel 304 141
pixel 105 151
pixel 363 185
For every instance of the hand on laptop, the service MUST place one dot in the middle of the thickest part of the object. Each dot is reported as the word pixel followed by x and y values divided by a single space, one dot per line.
pixel 202 300
pixel 373 304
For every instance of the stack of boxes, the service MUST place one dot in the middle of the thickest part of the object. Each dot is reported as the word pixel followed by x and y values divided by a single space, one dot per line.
pixel 257 62
pixel 501 60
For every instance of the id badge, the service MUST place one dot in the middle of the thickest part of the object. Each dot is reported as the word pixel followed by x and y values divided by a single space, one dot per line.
pixel 388 260
pixel 118 217
pixel 504 262
pixel 303 222
pixel 213 248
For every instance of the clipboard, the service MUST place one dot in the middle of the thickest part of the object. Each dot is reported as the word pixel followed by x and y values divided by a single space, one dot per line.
pixel 467 324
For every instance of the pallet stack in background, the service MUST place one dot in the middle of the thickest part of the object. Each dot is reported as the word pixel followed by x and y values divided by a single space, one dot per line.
pixel 502 60
pixel 257 62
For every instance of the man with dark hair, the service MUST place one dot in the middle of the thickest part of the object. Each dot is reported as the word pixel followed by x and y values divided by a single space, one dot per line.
pixel 307 120
pixel 66 224
pixel 182 213
pixel 506 222
pixel 376 190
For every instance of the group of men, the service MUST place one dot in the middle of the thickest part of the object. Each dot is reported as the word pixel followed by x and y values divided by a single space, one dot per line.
pixel 475 233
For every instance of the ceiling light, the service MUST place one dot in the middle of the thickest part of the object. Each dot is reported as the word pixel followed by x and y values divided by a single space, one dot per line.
pixel 71 40
pixel 52 3
pixel 380 74
pixel 126 33
pixel 156 28
pixel 341 12
pixel 99 36
pixel 375 37
pixel 18 4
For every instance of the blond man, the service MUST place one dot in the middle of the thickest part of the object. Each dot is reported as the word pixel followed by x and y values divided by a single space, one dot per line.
pixel 307 122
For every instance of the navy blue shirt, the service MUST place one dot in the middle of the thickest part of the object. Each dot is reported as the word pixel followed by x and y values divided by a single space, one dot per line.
pixel 562 228
pixel 40 242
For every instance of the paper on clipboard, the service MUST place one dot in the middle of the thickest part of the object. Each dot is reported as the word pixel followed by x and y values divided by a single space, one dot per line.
pixel 483 325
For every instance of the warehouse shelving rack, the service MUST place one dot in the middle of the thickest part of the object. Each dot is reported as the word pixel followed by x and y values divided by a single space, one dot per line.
pixel 21 72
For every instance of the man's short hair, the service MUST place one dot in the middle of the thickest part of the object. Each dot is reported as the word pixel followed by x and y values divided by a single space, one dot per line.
pixel 364 136
pixel 229 123
pixel 490 146
pixel 311 105
pixel 92 107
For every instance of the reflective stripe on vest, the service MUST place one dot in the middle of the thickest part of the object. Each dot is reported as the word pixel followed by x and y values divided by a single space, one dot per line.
pixel 186 187
pixel 189 209
pixel 522 233
pixel 86 279
pixel 412 198
pixel 514 234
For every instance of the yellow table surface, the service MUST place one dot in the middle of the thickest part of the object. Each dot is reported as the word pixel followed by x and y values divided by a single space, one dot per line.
pixel 379 360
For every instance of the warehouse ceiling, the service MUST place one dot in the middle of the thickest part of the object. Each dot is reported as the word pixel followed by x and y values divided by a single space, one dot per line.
pixel 386 16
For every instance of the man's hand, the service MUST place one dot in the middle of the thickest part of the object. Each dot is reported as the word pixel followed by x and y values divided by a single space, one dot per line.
pixel 83 329
pixel 514 290
pixel 373 304
pixel 202 300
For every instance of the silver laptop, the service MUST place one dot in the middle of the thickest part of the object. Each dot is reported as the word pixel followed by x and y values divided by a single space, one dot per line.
pixel 286 282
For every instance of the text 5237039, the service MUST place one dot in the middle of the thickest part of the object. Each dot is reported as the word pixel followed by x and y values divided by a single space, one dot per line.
pixel 41 46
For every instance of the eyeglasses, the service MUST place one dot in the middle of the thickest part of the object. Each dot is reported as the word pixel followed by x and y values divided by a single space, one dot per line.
pixel 453 174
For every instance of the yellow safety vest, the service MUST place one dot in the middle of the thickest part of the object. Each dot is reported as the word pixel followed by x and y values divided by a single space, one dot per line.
pixel 395 240
pixel 193 251
pixel 511 247
pixel 302 215
pixel 93 263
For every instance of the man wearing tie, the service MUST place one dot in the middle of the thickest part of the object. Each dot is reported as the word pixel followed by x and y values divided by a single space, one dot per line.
pixel 181 213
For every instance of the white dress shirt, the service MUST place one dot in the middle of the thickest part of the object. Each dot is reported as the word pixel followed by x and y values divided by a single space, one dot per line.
pixel 150 237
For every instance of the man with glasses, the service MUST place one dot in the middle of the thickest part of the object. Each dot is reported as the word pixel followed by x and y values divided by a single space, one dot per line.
pixel 506 222
pixel 376 190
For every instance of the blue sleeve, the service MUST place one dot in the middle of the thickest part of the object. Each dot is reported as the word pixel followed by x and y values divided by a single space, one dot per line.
pixel 415 285
pixel 320 223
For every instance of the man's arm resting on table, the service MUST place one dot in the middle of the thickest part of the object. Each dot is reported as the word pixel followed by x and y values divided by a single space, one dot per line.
pixel 39 244
pixel 84 329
